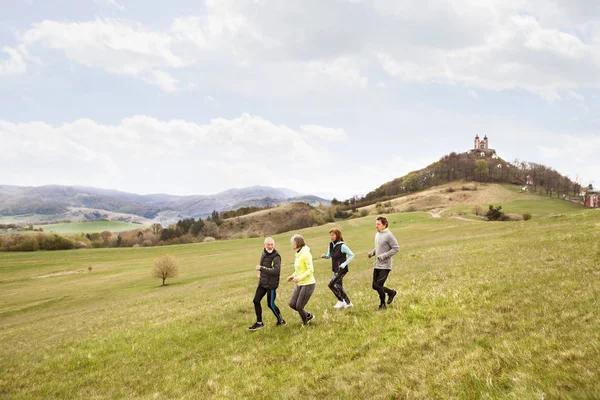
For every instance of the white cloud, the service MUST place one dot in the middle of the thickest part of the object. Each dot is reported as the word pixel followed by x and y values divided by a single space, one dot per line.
pixel 15 64
pixel 324 133
pixel 117 46
pixel 141 153
pixel 499 46
pixel 343 70
pixel 575 96
pixel 518 53
pixel 111 3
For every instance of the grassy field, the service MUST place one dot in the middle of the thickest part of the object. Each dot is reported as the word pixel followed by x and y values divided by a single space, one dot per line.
pixel 486 310
pixel 89 227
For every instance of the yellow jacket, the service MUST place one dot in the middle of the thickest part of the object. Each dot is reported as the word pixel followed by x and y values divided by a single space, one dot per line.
pixel 303 267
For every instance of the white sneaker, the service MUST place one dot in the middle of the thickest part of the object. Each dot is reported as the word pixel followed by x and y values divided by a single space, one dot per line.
pixel 340 304
pixel 348 305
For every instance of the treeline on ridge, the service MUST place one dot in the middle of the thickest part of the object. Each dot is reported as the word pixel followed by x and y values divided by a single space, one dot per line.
pixel 227 225
pixel 469 166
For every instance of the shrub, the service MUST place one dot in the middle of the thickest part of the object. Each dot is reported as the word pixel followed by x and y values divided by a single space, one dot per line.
pixel 54 242
pixel 512 217
pixel 478 210
pixel 165 266
pixel 494 214
pixel 210 229
pixel 339 213
pixel 526 216
pixel 450 190
pixel 411 208
pixel 209 239
pixel 24 243
pixel 364 212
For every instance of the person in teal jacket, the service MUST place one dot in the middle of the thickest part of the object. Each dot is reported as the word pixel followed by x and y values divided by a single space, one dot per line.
pixel 340 256
pixel 303 277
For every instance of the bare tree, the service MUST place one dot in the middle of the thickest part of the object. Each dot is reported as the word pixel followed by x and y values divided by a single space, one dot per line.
pixel 165 266
pixel 156 228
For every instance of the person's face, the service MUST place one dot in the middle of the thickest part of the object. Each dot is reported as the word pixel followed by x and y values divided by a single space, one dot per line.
pixel 294 245
pixel 333 236
pixel 269 246
pixel 379 226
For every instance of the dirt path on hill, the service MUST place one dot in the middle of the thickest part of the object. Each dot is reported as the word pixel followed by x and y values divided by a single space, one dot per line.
pixel 436 213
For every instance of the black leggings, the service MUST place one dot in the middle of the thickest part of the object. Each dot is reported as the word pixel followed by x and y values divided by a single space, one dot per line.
pixel 336 285
pixel 379 278
pixel 271 295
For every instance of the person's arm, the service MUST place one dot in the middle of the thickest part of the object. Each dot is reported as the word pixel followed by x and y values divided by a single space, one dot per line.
pixel 326 255
pixel 350 255
pixel 395 247
pixel 276 267
pixel 371 253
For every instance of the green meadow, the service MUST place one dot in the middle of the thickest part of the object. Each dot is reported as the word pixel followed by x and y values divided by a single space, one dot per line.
pixel 485 310
pixel 72 228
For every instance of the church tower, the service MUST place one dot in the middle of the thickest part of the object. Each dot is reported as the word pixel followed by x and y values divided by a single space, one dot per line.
pixel 482 146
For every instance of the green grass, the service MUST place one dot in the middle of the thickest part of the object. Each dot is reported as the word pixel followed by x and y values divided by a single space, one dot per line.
pixel 89 227
pixel 486 310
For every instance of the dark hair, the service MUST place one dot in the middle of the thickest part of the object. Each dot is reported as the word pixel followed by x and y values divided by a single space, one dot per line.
pixel 383 220
pixel 338 234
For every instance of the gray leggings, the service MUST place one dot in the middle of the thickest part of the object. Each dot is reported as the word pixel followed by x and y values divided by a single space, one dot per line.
pixel 299 299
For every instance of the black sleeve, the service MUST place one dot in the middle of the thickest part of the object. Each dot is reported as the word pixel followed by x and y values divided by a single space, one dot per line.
pixel 276 267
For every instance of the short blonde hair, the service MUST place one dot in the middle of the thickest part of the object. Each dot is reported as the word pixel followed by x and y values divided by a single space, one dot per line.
pixel 298 240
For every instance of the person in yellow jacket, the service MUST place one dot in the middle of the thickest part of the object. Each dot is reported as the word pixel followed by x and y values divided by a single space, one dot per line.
pixel 303 277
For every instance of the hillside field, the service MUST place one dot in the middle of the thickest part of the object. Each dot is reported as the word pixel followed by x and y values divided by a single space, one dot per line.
pixel 485 310
pixel 71 228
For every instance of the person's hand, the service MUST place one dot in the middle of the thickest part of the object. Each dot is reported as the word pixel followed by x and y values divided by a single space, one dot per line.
pixel 381 258
pixel 289 278
pixel 369 254
pixel 296 280
pixel 257 268
pixel 323 256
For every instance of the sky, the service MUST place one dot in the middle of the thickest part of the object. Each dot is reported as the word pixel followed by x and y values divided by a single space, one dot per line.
pixel 327 97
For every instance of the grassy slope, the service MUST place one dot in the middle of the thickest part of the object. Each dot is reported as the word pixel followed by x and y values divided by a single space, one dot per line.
pixel 90 227
pixel 486 310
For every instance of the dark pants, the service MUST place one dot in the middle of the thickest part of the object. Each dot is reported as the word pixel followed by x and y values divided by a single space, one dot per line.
pixel 379 278
pixel 271 295
pixel 336 285
pixel 299 299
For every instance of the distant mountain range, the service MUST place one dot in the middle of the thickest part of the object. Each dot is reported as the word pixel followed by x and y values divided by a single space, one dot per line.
pixel 53 202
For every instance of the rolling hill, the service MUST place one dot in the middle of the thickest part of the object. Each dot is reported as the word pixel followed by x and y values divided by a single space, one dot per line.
pixel 73 203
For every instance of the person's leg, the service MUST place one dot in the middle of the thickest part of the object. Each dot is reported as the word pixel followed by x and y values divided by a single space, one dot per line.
pixel 271 296
pixel 260 293
pixel 306 292
pixel 340 286
pixel 294 298
pixel 334 287
pixel 379 278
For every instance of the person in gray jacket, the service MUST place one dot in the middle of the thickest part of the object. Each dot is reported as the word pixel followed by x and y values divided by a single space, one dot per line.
pixel 386 246
pixel 268 282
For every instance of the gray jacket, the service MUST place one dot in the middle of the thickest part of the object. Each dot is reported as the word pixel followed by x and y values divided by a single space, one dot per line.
pixel 386 246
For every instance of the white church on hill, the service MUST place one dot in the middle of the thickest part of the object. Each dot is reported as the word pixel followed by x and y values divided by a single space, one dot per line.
pixel 482 146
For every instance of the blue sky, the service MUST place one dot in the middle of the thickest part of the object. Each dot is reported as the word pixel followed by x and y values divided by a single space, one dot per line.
pixel 333 97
